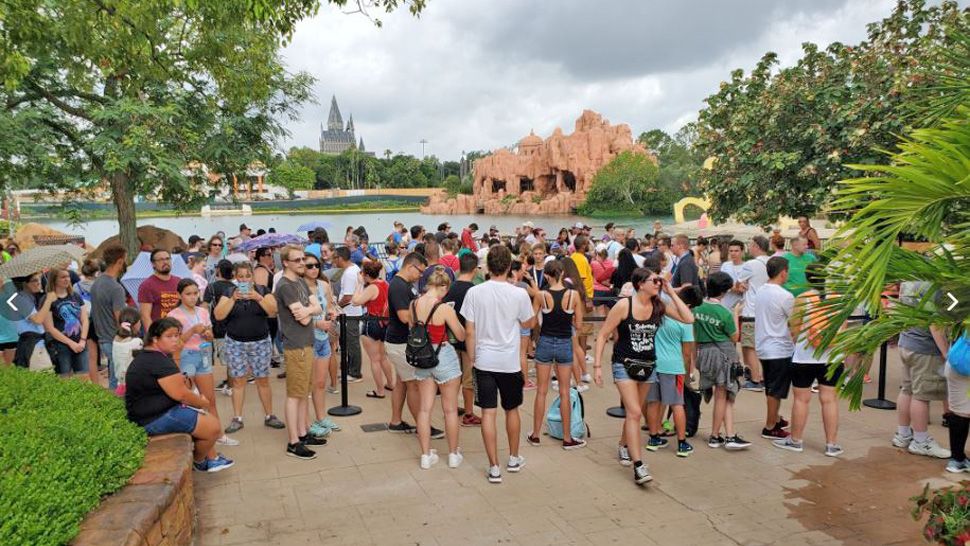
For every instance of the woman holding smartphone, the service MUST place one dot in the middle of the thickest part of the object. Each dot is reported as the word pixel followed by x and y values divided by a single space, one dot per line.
pixel 323 356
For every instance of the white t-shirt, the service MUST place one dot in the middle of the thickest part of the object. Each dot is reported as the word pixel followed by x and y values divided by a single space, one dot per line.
pixel 755 273
pixel 639 259
pixel 497 308
pixel 348 284
pixel 773 307
pixel 613 248
pixel 731 298
pixel 122 353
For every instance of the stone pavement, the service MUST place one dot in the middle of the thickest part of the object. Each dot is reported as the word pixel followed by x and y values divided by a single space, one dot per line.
pixel 366 488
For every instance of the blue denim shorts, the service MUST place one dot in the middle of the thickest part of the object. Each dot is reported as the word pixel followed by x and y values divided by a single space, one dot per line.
pixel 193 363
pixel 525 332
pixel 178 419
pixel 554 350
pixel 619 372
pixel 321 347
pixel 448 368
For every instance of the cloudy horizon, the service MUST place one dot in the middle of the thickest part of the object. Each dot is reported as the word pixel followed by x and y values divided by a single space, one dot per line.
pixel 470 75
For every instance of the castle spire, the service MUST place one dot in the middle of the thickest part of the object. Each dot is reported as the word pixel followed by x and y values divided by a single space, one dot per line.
pixel 350 125
pixel 361 145
pixel 334 122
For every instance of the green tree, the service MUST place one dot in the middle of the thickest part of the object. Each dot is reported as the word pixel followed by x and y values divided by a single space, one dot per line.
pixel 292 176
pixel 629 184
pixel 680 162
pixel 138 95
pixel 778 140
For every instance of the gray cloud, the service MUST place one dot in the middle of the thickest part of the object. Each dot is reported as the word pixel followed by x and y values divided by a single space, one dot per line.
pixel 470 74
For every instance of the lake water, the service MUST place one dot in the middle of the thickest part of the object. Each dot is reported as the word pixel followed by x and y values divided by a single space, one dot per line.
pixel 377 224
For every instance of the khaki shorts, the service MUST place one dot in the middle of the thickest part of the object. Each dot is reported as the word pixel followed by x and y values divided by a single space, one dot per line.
pixel 957 388
pixel 467 375
pixel 395 353
pixel 747 334
pixel 299 368
pixel 922 376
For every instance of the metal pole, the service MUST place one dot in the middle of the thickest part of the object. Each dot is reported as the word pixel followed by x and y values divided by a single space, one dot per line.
pixel 344 409
pixel 881 402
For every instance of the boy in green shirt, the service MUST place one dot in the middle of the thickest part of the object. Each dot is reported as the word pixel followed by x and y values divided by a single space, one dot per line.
pixel 798 260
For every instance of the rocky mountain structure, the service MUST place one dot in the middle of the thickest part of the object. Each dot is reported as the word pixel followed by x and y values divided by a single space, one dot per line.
pixel 550 176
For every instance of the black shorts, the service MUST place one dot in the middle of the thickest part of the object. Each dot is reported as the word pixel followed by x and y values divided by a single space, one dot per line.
pixel 374 330
pixel 777 376
pixel 10 345
pixel 488 386
pixel 459 346
pixel 803 375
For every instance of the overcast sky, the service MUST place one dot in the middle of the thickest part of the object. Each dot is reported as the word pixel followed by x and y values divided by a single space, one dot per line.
pixel 480 74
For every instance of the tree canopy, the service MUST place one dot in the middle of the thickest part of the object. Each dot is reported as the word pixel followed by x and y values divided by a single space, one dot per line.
pixel 138 97
pixel 680 162
pixel 629 184
pixel 777 141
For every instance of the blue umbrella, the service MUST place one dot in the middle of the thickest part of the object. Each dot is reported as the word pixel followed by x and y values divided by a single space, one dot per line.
pixel 271 240
pixel 141 269
pixel 310 226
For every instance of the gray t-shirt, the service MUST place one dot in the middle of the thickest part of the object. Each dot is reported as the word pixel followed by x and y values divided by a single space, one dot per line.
pixel 107 297
pixel 918 340
pixel 293 335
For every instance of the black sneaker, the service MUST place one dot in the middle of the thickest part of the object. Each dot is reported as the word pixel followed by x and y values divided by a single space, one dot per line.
pixel 281 375
pixel 300 451
pixel 437 434
pixel 946 419
pixel 275 363
pixel 311 440
pixel 402 428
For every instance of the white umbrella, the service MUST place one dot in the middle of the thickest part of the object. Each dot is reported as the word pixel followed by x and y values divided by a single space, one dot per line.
pixel 141 269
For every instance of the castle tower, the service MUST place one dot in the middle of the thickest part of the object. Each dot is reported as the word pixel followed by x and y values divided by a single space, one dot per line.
pixel 335 122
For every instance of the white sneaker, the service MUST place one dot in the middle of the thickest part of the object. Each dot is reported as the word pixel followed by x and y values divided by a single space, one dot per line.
pixel 641 475
pixel 929 448
pixel 623 455
pixel 589 359
pixel 455 459
pixel 554 385
pixel 587 378
pixel 902 441
pixel 517 462
pixel 582 387
pixel 227 441
pixel 429 459
pixel 494 475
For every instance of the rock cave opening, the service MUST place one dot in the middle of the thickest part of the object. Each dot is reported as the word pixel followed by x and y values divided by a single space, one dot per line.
pixel 498 185
pixel 569 180
pixel 527 184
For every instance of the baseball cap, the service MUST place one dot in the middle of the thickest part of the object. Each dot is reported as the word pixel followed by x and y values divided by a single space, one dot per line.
pixel 528 224
pixel 243 227
pixel 579 225
pixel 493 227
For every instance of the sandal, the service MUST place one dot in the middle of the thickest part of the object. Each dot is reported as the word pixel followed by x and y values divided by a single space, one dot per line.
pixel 388 388
pixel 373 394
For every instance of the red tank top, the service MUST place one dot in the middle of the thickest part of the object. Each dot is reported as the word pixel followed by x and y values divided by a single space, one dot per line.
pixel 378 305
pixel 437 333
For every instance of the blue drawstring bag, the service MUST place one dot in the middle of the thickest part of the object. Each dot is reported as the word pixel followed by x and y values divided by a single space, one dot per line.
pixel 959 355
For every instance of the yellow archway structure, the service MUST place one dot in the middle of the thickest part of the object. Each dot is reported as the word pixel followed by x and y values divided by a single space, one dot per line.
pixel 703 203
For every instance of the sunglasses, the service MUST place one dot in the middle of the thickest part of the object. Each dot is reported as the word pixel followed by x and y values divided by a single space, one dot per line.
pixel 216 245
pixel 313 266
pixel 657 281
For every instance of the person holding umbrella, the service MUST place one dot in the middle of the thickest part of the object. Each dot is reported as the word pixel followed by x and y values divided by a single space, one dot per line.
pixel 31 349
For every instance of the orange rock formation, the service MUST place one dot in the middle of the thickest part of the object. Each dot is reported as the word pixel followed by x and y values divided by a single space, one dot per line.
pixel 549 176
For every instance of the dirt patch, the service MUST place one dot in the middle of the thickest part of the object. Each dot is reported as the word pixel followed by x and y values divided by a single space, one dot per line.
pixel 863 500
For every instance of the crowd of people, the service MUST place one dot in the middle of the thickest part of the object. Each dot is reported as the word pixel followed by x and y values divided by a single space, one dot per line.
pixel 474 318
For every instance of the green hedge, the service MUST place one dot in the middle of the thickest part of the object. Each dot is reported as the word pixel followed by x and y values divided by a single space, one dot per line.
pixel 64 445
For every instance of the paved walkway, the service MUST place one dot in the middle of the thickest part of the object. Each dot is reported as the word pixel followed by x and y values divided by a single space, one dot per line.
pixel 366 488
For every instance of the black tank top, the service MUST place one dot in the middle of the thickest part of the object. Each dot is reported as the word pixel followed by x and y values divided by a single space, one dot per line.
pixel 635 339
pixel 557 322
pixel 269 278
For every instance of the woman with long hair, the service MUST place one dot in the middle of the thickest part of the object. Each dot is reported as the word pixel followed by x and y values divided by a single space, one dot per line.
pixel 635 321
pixel 324 360
pixel 446 376
pixel 67 325
pixel 371 293
pixel 625 265
pixel 214 248
pixel 561 311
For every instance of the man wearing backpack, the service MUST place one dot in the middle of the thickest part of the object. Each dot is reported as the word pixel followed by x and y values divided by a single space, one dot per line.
pixel 495 312
pixel 400 292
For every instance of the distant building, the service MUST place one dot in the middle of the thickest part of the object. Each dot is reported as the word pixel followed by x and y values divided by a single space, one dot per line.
pixel 337 138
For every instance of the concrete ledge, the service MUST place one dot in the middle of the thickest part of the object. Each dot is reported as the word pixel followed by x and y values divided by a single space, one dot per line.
pixel 157 507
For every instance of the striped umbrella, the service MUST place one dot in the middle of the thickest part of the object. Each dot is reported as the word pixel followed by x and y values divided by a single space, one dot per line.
pixel 39 258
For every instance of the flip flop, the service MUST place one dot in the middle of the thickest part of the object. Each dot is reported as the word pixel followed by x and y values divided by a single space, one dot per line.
pixel 388 388
pixel 373 394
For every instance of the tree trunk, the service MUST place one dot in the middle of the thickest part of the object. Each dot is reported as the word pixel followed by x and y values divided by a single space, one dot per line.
pixel 125 205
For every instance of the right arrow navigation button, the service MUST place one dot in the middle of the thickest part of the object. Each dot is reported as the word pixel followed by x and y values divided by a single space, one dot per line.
pixel 953 300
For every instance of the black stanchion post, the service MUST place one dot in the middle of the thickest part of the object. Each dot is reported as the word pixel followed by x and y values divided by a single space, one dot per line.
pixel 881 402
pixel 344 409
pixel 617 411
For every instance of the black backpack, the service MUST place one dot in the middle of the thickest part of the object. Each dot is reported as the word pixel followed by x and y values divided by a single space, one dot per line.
pixel 419 351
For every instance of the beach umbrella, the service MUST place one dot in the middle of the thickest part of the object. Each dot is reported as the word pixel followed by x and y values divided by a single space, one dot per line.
pixel 141 269
pixel 39 258
pixel 271 240
pixel 310 226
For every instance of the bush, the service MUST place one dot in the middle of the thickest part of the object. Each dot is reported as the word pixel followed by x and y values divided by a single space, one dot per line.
pixel 64 445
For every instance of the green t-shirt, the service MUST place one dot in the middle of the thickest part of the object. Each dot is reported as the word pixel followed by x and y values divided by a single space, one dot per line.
pixel 713 323
pixel 797 282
